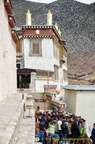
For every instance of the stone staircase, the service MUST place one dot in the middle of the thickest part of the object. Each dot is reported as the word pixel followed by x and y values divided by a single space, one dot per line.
pixel 38 95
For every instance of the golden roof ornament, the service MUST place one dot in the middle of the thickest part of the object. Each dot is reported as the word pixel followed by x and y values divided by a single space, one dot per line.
pixel 56 25
pixel 59 32
pixel 49 18
pixel 28 18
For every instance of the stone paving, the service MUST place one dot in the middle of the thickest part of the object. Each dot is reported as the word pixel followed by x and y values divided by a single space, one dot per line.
pixel 10 111
pixel 26 133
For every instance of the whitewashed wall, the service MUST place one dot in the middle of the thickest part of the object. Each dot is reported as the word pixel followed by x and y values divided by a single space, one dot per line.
pixel 7 57
pixel 46 62
pixel 86 105
pixel 40 85
pixel 70 99
pixel 81 103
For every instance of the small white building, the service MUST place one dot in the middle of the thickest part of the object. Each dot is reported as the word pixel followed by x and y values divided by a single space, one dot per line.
pixel 41 55
pixel 80 100
pixel 8 40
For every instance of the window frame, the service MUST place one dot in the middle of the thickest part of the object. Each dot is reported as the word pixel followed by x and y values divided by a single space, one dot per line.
pixel 33 41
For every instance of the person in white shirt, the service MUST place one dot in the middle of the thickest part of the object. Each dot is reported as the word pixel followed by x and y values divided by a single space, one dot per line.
pixel 59 127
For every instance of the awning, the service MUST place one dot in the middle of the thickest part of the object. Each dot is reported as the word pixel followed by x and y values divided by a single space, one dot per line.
pixel 28 71
pixel 25 71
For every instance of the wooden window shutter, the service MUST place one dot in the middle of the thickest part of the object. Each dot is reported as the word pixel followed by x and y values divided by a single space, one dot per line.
pixel 35 48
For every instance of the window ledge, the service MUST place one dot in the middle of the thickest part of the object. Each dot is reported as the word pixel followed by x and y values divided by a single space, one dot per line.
pixel 35 55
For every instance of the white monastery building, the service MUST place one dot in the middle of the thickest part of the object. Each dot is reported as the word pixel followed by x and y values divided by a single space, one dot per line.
pixel 8 40
pixel 41 56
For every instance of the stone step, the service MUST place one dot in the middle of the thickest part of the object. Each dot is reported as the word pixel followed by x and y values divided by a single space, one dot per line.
pixel 37 95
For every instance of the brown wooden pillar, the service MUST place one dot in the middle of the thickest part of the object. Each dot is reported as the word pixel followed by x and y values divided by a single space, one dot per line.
pixel 48 77
pixel 45 103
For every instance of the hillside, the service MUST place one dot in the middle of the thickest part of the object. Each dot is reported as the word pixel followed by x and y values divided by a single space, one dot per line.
pixel 77 23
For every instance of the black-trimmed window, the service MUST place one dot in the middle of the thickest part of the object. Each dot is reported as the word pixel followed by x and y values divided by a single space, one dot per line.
pixel 35 47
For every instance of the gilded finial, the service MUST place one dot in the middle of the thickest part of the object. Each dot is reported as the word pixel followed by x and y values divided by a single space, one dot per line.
pixel 56 25
pixel 49 12
pixel 59 32
pixel 28 11
pixel 49 18
pixel 28 18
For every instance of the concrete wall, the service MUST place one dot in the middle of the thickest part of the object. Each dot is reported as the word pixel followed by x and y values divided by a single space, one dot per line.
pixel 81 103
pixel 45 62
pixel 70 99
pixel 7 57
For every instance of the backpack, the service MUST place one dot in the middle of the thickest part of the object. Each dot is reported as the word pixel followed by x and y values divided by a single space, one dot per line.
pixel 64 128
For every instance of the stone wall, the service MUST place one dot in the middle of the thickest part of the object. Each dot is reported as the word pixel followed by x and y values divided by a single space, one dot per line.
pixel 7 56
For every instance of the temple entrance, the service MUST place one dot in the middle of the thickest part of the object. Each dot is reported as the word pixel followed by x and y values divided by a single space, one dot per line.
pixel 23 81
pixel 24 78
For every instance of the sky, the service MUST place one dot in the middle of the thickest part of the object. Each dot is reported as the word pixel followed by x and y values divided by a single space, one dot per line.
pixel 49 1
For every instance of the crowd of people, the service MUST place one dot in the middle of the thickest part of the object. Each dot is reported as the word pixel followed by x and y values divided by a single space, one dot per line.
pixel 57 127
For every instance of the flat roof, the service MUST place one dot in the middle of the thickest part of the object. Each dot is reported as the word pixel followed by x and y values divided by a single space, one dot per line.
pixel 80 87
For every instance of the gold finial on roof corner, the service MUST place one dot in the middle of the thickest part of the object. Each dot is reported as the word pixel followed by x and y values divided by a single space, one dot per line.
pixel 59 32
pixel 56 25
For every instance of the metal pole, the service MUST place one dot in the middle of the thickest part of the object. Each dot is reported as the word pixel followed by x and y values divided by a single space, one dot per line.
pixel 22 96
